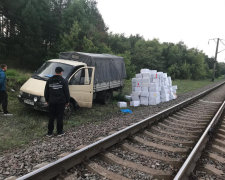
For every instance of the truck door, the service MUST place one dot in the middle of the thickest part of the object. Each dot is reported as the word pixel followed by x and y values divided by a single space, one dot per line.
pixel 81 86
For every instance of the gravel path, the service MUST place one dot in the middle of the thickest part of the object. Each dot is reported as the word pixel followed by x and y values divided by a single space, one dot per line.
pixel 22 161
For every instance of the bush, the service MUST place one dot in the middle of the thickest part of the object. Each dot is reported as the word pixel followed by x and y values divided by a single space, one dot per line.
pixel 15 78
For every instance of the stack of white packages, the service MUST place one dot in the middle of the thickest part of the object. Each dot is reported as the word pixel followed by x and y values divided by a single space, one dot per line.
pixel 150 87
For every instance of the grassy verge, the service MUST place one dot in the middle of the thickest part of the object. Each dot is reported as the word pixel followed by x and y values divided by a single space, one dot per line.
pixel 28 124
pixel 190 85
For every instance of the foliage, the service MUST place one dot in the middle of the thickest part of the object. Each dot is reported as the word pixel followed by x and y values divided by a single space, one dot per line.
pixel 130 68
pixel 16 78
pixel 32 31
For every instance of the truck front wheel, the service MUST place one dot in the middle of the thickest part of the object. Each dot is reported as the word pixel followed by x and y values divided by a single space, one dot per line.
pixel 69 109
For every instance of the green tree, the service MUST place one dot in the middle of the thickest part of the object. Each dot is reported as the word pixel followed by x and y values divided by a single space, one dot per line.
pixel 147 54
pixel 130 68
pixel 71 41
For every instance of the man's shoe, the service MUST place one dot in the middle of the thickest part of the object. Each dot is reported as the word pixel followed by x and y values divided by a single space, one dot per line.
pixel 60 134
pixel 49 135
pixel 8 114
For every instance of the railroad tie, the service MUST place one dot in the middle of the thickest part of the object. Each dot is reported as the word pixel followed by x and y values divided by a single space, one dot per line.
pixel 191 119
pixel 179 129
pixel 216 157
pixel 187 143
pixel 176 162
pixel 212 170
pixel 221 131
pixel 219 142
pixel 192 137
pixel 220 136
pixel 94 167
pixel 183 125
pixel 187 121
pixel 155 172
pixel 218 149
pixel 160 146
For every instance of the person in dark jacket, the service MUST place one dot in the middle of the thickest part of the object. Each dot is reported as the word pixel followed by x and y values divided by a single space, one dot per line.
pixel 57 96
pixel 3 92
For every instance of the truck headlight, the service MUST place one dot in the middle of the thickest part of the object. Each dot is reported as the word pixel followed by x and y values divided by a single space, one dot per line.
pixel 20 94
pixel 35 99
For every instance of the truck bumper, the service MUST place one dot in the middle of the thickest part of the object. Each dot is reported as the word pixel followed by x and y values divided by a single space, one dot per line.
pixel 41 106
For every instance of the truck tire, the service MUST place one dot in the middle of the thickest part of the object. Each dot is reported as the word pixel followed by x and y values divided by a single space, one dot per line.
pixel 69 109
pixel 105 97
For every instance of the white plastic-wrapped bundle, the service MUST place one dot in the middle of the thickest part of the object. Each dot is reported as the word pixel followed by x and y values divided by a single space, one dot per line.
pixel 165 97
pixel 154 87
pixel 128 97
pixel 153 71
pixel 153 75
pixel 135 103
pixel 122 104
pixel 138 75
pixel 173 96
pixel 160 77
pixel 165 94
pixel 136 82
pixel 146 80
pixel 171 93
pixel 135 96
pixel 164 89
pixel 144 94
pixel 145 71
pixel 145 75
pixel 144 89
pixel 154 98
pixel 169 81
pixel 136 89
pixel 145 85
pixel 174 88
pixel 165 80
pixel 144 100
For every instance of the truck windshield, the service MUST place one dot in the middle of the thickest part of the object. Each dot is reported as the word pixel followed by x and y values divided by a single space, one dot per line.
pixel 47 70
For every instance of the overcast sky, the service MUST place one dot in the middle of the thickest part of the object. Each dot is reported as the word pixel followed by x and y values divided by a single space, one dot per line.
pixel 192 21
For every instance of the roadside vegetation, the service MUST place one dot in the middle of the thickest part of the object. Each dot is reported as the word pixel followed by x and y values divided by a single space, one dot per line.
pixel 27 124
pixel 34 31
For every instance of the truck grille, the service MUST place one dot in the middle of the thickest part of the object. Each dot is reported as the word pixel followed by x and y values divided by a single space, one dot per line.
pixel 29 96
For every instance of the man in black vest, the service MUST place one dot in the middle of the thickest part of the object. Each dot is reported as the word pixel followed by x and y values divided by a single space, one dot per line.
pixel 57 96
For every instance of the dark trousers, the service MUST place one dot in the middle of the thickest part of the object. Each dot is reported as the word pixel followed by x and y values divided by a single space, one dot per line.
pixel 56 111
pixel 4 101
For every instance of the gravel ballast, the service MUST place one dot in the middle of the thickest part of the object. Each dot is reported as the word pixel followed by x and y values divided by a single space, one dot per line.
pixel 22 161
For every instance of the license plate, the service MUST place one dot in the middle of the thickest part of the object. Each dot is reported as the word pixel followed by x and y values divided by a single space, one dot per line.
pixel 27 101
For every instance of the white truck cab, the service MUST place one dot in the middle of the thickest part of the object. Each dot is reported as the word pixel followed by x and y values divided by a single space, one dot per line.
pixel 79 76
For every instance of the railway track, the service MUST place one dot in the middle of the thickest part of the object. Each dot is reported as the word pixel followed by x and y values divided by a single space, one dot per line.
pixel 212 162
pixel 154 148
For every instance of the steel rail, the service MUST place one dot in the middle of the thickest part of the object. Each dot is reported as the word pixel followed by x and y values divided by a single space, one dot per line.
pixel 55 168
pixel 195 154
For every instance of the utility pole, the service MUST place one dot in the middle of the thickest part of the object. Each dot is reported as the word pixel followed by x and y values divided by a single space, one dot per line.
pixel 214 65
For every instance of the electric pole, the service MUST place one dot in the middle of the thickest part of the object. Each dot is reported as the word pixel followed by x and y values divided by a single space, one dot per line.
pixel 214 65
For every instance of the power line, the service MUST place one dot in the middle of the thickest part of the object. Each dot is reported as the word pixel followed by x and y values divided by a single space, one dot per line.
pixel 221 40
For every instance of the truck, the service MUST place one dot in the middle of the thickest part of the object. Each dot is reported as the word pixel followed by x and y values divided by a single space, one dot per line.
pixel 90 77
